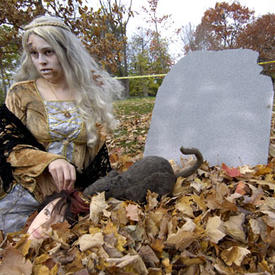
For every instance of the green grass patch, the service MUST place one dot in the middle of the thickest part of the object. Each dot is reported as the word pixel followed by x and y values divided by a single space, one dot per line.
pixel 134 106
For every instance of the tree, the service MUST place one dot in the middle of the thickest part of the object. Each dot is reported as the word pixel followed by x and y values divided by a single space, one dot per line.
pixel 259 36
pixel 187 34
pixel 220 27
pixel 14 14
pixel 118 17
pixel 8 59
pixel 158 45
pixel 148 53
pixel 139 63
pixel 144 59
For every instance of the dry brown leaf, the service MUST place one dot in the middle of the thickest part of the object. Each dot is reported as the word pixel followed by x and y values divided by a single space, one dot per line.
pixel 121 240
pixel 168 266
pixel 119 214
pixel 180 240
pixel 132 212
pixel 183 205
pixel 152 201
pixel 234 227
pixel 157 245
pixel 13 262
pixel 132 263
pixel 97 206
pixel 234 254
pixel 215 229
pixel 88 241
pixel 148 256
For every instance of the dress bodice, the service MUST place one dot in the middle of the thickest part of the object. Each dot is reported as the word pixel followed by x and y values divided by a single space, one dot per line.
pixel 64 125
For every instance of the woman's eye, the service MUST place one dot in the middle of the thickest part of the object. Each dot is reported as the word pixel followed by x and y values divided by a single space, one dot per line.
pixel 49 52
pixel 47 212
pixel 33 53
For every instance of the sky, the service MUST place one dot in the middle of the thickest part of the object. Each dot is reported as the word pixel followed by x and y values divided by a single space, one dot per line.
pixel 184 12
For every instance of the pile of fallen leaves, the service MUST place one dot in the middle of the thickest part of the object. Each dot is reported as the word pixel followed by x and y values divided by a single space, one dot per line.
pixel 220 220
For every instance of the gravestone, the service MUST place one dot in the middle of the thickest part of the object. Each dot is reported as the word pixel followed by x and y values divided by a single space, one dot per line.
pixel 218 102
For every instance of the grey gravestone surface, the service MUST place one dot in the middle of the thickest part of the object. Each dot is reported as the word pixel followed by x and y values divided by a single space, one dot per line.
pixel 217 102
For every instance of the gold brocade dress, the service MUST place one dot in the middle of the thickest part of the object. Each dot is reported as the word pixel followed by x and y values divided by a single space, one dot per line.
pixel 57 125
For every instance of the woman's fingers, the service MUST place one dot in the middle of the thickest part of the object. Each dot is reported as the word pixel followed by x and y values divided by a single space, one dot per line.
pixel 63 173
pixel 69 178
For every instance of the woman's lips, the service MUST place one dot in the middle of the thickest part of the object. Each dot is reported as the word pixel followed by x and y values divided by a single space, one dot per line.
pixel 45 71
pixel 36 234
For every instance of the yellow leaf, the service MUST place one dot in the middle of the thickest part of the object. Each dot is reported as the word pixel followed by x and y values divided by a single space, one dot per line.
pixel 23 244
pixel 54 270
pixel 112 229
pixel 157 245
pixel 199 201
pixel 168 265
pixel 184 205
pixel 41 270
pixel 121 241
pixel 130 263
pixel 93 230
pixel 263 170
pixel 234 254
pixel 41 259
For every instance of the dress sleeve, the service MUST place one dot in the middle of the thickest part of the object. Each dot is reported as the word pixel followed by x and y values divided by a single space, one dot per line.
pixel 27 160
pixel 15 104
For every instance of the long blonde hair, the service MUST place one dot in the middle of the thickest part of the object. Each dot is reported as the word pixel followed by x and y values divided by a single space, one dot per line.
pixel 95 87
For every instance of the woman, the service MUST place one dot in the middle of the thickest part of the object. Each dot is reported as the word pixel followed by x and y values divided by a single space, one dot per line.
pixel 64 100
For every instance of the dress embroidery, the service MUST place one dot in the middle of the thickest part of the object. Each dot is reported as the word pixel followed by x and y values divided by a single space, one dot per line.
pixel 63 128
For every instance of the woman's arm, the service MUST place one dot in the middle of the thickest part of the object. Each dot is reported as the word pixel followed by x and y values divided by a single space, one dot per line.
pixel 29 162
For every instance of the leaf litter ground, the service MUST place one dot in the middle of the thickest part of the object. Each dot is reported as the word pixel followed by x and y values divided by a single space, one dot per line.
pixel 221 220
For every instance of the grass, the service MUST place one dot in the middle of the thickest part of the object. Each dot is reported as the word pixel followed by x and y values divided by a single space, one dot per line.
pixel 134 105
pixel 134 115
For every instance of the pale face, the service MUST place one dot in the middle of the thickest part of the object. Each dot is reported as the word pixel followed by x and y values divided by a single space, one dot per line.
pixel 41 225
pixel 44 59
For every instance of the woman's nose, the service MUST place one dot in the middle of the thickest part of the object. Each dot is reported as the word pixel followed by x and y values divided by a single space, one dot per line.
pixel 42 59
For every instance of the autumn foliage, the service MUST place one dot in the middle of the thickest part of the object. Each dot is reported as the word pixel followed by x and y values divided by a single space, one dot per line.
pixel 259 36
pixel 218 221
pixel 231 26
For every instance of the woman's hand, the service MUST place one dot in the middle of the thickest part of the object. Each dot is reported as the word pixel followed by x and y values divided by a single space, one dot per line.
pixel 63 173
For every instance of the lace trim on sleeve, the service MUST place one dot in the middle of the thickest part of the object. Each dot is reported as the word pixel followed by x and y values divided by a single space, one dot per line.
pixel 98 168
pixel 12 133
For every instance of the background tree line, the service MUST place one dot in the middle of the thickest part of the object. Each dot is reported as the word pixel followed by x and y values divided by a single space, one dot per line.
pixel 104 33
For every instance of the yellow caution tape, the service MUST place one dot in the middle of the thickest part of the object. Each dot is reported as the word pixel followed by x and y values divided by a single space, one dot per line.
pixel 162 75
pixel 140 76
pixel 266 62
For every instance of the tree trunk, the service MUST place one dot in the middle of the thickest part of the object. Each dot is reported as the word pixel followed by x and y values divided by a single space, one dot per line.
pixel 4 86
